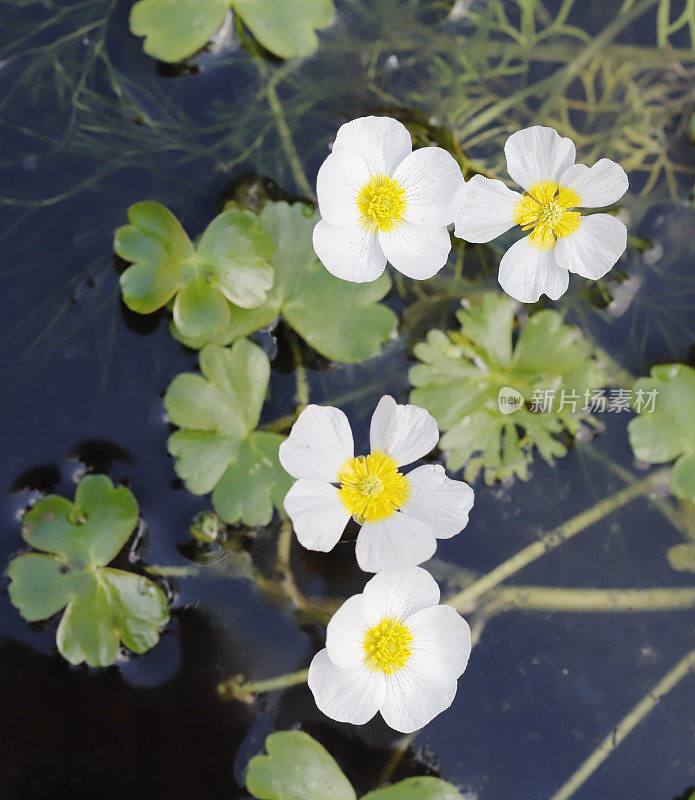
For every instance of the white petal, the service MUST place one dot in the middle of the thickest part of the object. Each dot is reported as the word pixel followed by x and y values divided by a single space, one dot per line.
pixel 318 445
pixel 538 154
pixel 487 210
pixel 601 185
pixel 394 543
pixel 527 272
pixel 404 432
pixel 351 252
pixel 460 196
pixel 418 251
pixel 338 183
pixel 419 691
pixel 399 593
pixel 317 513
pixel 382 142
pixel 346 695
pixel 443 632
pixel 431 179
pixel 346 631
pixel 439 501
pixel 594 248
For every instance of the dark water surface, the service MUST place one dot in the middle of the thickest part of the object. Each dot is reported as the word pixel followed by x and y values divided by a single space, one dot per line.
pixel 89 125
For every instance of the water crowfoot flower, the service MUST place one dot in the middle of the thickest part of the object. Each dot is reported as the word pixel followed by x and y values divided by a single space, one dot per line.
pixel 381 201
pixel 561 240
pixel 402 515
pixel 391 649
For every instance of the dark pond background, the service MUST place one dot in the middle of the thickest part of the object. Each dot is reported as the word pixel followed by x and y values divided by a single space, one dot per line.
pixel 89 125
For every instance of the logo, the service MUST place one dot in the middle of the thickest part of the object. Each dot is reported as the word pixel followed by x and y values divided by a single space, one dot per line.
pixel 509 400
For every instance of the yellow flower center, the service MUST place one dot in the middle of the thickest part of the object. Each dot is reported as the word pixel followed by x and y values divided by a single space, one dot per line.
pixel 381 202
pixel 371 487
pixel 387 645
pixel 545 211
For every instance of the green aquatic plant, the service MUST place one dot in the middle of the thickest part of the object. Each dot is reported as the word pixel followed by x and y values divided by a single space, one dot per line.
pixel 297 767
pixel 176 29
pixel 218 449
pixel 103 606
pixel 465 378
pixel 666 431
pixel 627 93
pixel 523 65
pixel 207 527
pixel 229 263
pixel 681 557
pixel 341 320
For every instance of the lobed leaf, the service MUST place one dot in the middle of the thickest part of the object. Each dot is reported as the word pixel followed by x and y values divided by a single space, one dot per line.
pixel 218 449
pixel 103 606
pixel 286 27
pixel 667 432
pixel 176 29
pixel 461 374
pixel 297 767
pixel 229 264
pixel 341 320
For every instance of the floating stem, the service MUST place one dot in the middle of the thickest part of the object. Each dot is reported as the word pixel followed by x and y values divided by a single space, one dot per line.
pixel 284 131
pixel 551 598
pixel 235 687
pixel 554 538
pixel 625 727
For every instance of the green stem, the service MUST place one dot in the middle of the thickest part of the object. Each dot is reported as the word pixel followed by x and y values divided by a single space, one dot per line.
pixel 566 75
pixel 395 759
pixel 284 131
pixel 552 598
pixel 246 691
pixel 677 515
pixel 625 727
pixel 302 393
pixel 558 80
pixel 567 50
pixel 172 572
pixel 281 424
pixel 463 601
pixel 283 565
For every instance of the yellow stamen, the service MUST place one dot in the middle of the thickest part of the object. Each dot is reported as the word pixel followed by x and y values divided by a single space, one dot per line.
pixel 381 202
pixel 545 211
pixel 371 487
pixel 387 645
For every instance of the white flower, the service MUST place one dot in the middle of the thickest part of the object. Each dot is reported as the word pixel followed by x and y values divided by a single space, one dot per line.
pixel 391 649
pixel 561 240
pixel 380 201
pixel 401 515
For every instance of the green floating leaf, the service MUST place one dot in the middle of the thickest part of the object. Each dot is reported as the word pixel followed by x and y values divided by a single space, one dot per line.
pixel 665 430
pixel 176 29
pixel 218 449
pixel 103 606
pixel 229 264
pixel 286 27
pixel 463 373
pixel 341 320
pixel 297 767
pixel 425 788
